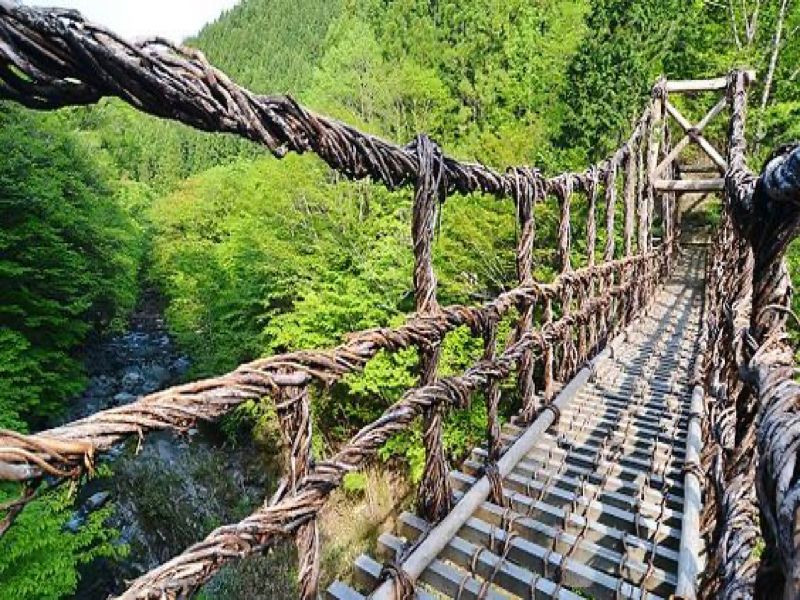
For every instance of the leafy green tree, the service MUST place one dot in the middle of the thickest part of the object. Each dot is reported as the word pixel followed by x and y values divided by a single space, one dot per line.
pixel 612 73
pixel 39 559
pixel 69 259
pixel 68 262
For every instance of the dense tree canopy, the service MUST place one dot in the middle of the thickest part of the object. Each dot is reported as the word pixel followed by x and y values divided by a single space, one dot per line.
pixel 69 256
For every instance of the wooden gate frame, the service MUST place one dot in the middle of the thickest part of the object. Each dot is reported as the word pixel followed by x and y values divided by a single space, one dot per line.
pixel 693 134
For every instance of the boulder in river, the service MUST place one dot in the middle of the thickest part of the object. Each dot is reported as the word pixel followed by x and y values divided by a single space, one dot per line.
pixel 132 379
pixel 123 398
pixel 154 377
pixel 92 503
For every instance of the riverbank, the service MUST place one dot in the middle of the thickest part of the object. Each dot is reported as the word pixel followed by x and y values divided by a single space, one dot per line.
pixel 169 491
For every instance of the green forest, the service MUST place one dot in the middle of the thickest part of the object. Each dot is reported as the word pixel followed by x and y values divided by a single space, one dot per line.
pixel 254 255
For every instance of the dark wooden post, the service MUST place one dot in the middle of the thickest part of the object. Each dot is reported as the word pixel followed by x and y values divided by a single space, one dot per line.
pixel 629 195
pixel 588 339
pixel 654 141
pixel 493 443
pixel 527 190
pixel 294 413
pixel 608 254
pixel 641 194
pixel 435 497
pixel 563 190
pixel 548 376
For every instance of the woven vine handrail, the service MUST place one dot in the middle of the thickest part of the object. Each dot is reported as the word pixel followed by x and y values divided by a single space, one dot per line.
pixel 65 450
pixel 51 58
pixel 753 435
pixel 55 58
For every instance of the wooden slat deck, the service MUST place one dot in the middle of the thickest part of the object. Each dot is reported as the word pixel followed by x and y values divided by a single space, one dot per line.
pixel 595 508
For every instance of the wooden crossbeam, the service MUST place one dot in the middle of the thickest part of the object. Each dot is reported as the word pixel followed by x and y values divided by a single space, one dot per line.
pixel 671 156
pixel 686 125
pixel 697 129
pixel 697 85
pixel 704 85
pixel 689 185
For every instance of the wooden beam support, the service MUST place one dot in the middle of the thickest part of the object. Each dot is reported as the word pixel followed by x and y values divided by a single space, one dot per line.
pixel 690 185
pixel 703 123
pixel 712 152
pixel 687 126
pixel 710 115
pixel 703 85
pixel 698 168
pixel 655 135
pixel 697 85
pixel 685 141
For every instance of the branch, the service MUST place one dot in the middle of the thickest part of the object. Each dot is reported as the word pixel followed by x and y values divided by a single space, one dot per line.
pixel 15 507
pixel 773 59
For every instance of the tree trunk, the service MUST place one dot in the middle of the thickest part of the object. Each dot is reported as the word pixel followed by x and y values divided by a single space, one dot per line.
pixel 734 29
pixel 773 59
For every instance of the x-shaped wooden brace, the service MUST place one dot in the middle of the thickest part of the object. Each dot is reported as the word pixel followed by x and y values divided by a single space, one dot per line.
pixel 693 134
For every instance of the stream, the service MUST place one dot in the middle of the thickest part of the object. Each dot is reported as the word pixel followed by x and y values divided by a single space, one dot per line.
pixel 174 490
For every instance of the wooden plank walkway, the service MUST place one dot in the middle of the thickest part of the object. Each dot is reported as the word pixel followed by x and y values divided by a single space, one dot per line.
pixel 596 506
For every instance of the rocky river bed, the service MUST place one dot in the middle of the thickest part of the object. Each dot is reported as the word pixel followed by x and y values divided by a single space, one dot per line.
pixel 174 490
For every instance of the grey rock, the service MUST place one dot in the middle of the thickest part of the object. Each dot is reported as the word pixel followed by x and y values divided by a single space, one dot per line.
pixel 132 379
pixel 180 366
pixel 93 502
pixel 96 500
pixel 74 524
pixel 123 398
pixel 155 375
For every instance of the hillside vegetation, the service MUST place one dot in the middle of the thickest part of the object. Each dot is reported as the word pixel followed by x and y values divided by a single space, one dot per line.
pixel 255 255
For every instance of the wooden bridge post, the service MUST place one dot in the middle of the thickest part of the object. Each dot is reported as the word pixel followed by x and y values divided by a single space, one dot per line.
pixel 608 254
pixel 435 496
pixel 563 190
pixel 588 340
pixel 629 195
pixel 641 192
pixel 642 183
pixel 549 354
pixel 294 413
pixel 668 198
pixel 526 192
pixel 654 135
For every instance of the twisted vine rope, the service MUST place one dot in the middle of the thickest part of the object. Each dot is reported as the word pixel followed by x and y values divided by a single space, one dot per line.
pixel 753 429
pixel 65 450
pixel 53 58
pixel 183 574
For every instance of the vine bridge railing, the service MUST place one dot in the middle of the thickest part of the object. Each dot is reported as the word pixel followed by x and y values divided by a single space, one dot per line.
pixel 52 58
pixel 752 433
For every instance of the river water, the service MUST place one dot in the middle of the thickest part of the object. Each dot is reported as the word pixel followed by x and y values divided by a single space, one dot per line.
pixel 174 490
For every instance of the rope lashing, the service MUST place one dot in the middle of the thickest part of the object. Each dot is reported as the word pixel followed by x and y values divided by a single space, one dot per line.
pixel 403 584
pixel 496 482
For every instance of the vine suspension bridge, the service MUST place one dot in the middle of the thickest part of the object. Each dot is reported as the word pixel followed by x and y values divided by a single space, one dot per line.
pixel 658 437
